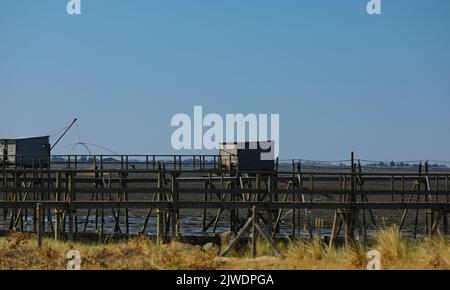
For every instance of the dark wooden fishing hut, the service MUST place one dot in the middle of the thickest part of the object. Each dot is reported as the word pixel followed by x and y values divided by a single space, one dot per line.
pixel 247 156
pixel 31 152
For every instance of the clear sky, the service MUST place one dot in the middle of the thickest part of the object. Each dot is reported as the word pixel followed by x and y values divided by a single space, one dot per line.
pixel 340 79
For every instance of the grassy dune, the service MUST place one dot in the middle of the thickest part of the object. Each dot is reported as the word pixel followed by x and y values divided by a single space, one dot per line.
pixel 19 251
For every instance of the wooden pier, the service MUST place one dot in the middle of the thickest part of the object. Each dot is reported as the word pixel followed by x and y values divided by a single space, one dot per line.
pixel 105 195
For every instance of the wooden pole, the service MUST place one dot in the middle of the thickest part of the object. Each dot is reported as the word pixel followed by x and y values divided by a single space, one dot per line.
pixel 446 213
pixel 39 225
pixel 293 211
pixel 159 216
pixel 419 180
pixel 125 194
pixel 58 212
pixel 351 215
pixel 270 191
pixel 71 213
pixel 102 186
pixel 274 249
pixel 173 231
pixel 254 231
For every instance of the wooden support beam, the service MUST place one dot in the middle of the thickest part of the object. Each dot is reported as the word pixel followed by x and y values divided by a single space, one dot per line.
pixel 237 238
pixel 57 228
pixel 254 233
pixel 39 213
pixel 174 219
pixel 268 239
pixel 70 207
pixel 159 215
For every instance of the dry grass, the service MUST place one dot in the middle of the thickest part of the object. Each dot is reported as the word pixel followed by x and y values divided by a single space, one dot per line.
pixel 19 251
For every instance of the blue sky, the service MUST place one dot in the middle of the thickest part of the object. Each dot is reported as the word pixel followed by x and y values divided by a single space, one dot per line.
pixel 340 79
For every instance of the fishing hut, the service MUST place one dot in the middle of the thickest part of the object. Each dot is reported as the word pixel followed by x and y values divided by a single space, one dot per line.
pixel 247 156
pixel 25 152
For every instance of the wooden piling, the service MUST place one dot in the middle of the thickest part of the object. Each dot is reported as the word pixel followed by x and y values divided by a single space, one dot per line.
pixel 254 231
pixel 70 210
pixel 159 215
pixel 39 213
pixel 57 211
pixel 174 220
pixel 270 192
